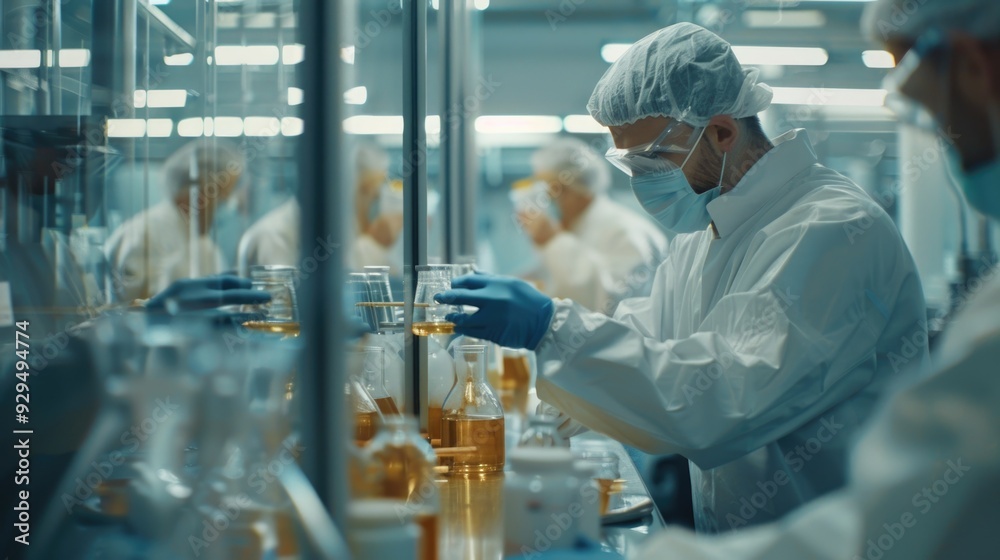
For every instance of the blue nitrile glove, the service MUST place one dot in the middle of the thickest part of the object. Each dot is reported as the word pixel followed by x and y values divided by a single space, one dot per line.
pixel 197 294
pixel 511 312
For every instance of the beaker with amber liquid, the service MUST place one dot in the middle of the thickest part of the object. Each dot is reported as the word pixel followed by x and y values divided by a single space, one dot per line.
pixel 373 377
pixel 472 418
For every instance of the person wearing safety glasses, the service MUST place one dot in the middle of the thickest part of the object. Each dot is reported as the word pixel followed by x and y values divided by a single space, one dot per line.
pixel 924 476
pixel 773 326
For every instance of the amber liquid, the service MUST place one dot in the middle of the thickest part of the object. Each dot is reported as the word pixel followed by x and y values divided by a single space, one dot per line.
pixel 404 469
pixel 485 434
pixel 514 383
pixel 289 329
pixel 608 487
pixel 288 544
pixel 428 328
pixel 434 422
pixel 428 523
pixel 386 405
pixel 364 427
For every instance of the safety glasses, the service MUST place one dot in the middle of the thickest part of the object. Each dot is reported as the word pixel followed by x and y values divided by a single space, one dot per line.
pixel 922 74
pixel 645 158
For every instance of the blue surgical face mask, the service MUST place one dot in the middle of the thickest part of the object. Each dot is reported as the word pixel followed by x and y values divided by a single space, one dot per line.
pixel 668 197
pixel 982 184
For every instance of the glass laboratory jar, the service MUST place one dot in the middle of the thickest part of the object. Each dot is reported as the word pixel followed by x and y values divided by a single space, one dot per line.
pixel 428 314
pixel 373 377
pixel 472 418
pixel 542 491
pixel 401 467
pixel 281 314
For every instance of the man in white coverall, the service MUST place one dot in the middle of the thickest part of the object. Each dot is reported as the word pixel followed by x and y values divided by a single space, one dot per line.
pixel 599 252
pixel 787 302
pixel 924 478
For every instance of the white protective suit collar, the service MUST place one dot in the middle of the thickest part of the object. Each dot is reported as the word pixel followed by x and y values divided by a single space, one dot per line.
pixel 792 154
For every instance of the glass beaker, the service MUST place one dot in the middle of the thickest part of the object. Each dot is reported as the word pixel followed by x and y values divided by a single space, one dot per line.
pixel 401 465
pixel 472 418
pixel 373 377
pixel 543 431
pixel 388 318
pixel 604 465
pixel 440 380
pixel 428 314
pixel 281 314
pixel 359 298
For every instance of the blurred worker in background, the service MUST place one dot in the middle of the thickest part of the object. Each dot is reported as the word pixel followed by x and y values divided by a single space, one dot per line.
pixel 274 238
pixel 598 252
pixel 925 476
pixel 161 244
pixel 771 329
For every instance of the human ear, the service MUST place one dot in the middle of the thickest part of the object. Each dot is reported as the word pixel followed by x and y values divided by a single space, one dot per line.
pixel 723 132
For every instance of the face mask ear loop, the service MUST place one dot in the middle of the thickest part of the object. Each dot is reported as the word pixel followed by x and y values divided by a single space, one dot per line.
pixel 722 172
pixel 691 153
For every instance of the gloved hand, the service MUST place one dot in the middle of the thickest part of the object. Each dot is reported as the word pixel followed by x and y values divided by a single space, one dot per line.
pixel 199 294
pixel 511 312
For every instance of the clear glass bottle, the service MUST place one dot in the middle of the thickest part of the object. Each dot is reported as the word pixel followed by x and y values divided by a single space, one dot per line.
pixel 472 417
pixel 428 314
pixel 373 377
pixel 543 431
pixel 401 467
pixel 366 413
pixel 281 314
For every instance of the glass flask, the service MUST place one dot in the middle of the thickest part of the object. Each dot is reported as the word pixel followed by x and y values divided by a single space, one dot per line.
pixel 440 380
pixel 388 316
pixel 543 431
pixel 373 377
pixel 366 412
pixel 428 314
pixel 359 299
pixel 472 417
pixel 281 314
pixel 401 467
pixel 516 379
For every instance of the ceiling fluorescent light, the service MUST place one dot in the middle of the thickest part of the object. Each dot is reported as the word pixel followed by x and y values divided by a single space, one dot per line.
pixel 481 4
pixel 159 128
pixel 20 58
pixel 780 56
pixel 126 128
pixel 518 124
pixel 613 51
pixel 582 124
pixel 293 54
pixel 878 59
pixel 829 97
pixel 261 126
pixel 291 126
pixel 166 98
pixel 74 58
pixel 347 54
pixel 784 18
pixel 374 124
pixel 180 59
pixel 294 96
pixel 226 126
pixel 356 95
pixel 191 127
pixel 252 55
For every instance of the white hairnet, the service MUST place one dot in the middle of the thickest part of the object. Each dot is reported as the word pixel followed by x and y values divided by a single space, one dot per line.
pixel 908 19
pixel 213 159
pixel 574 163
pixel 684 72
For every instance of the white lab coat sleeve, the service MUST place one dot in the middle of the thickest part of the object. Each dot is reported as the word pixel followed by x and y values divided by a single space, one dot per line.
pixel 578 272
pixel 794 336
pixel 924 482
pixel 129 279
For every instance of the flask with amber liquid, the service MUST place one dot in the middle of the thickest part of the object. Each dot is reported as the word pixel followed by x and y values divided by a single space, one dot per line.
pixel 373 377
pixel 472 417
pixel 400 466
